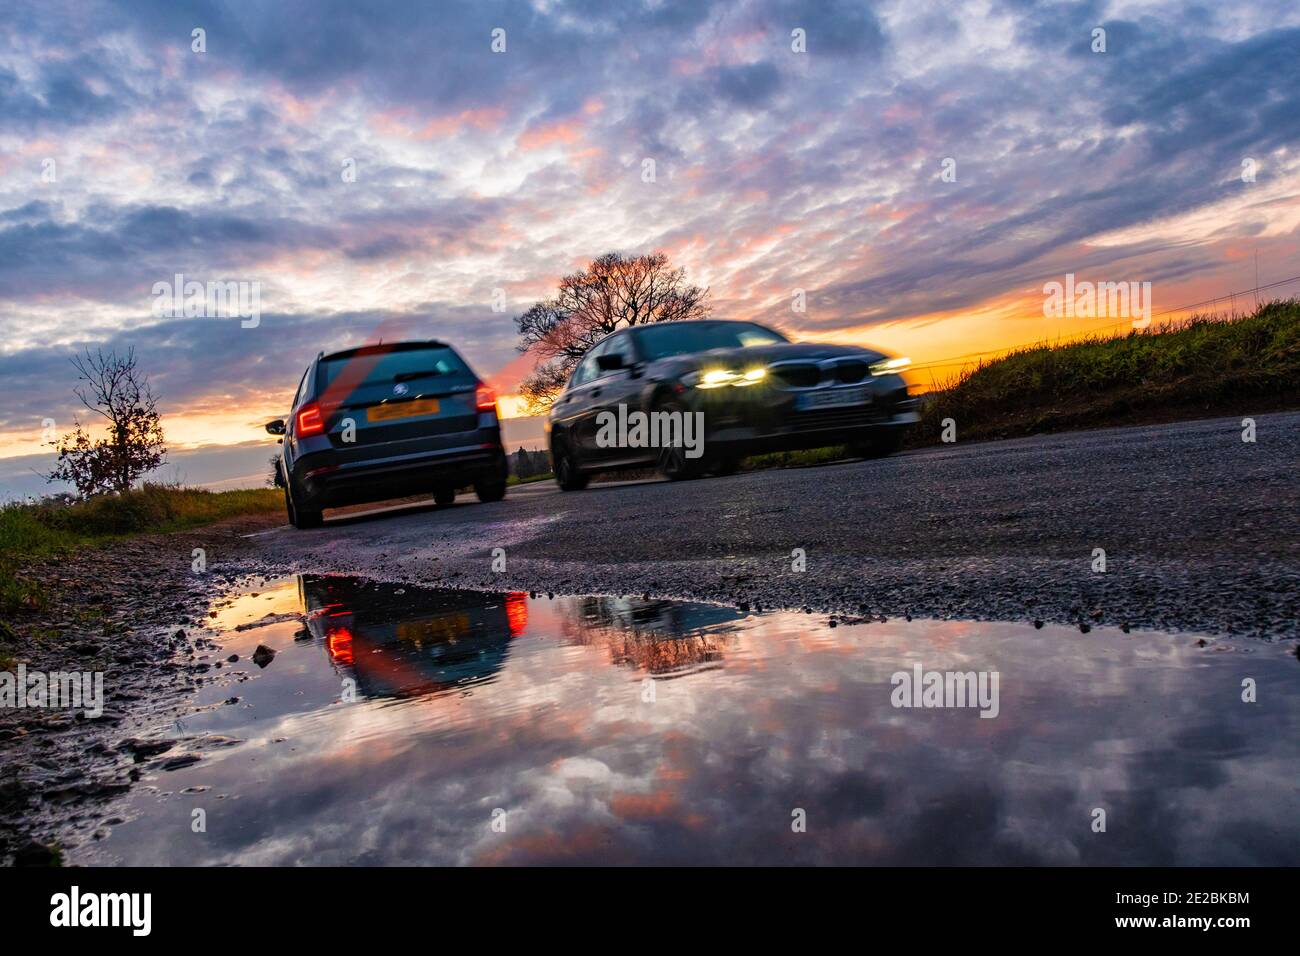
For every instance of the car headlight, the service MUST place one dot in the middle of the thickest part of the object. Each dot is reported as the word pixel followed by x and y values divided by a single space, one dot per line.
pixel 718 377
pixel 890 366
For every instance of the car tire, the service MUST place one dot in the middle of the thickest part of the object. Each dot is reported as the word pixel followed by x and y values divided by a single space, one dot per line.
pixel 492 486
pixel 444 496
pixel 726 465
pixel 672 463
pixel 878 447
pixel 568 474
pixel 301 515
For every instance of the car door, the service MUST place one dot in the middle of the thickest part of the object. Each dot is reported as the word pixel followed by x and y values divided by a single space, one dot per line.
pixel 619 387
pixel 573 412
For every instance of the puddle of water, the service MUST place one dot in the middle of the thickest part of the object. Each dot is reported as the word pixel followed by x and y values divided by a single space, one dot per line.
pixel 410 726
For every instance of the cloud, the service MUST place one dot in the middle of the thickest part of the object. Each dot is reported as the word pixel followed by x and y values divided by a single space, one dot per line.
pixel 750 85
pixel 477 171
pixel 58 95
pixel 838 28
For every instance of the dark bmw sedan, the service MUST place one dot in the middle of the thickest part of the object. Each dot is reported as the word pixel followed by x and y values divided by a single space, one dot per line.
pixel 695 397
pixel 385 421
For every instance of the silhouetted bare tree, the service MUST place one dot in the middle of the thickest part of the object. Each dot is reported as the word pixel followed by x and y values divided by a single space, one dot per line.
pixel 613 292
pixel 134 441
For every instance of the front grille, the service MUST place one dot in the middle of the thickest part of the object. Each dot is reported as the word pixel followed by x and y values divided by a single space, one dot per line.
pixel 798 376
pixel 813 374
pixel 839 417
pixel 851 372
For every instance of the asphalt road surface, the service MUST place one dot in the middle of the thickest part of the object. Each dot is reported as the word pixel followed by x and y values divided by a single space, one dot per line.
pixel 1199 530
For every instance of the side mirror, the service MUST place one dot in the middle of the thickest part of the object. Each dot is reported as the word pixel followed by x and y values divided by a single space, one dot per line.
pixel 607 363
pixel 276 427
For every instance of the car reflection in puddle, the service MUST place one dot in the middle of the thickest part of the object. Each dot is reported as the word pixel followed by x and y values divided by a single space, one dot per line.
pixel 399 642
pixel 404 726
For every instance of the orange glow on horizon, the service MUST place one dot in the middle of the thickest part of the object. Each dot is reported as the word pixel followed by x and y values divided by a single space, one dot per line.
pixel 512 406
pixel 940 346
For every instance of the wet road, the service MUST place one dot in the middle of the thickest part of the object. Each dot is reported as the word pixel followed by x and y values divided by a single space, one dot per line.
pixel 474 722
pixel 393 725
pixel 1200 531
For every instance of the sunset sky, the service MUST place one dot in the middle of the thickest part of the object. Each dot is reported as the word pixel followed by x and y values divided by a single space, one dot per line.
pixel 476 170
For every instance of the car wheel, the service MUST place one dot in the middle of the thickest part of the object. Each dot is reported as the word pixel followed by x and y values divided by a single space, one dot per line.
pixel 568 475
pixel 726 465
pixel 879 446
pixel 672 462
pixel 300 516
pixel 492 486
pixel 444 496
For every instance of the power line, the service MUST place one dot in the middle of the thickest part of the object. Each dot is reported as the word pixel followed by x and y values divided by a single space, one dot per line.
pixel 1261 288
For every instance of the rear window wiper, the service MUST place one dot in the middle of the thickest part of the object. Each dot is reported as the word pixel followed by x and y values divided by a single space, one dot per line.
pixel 407 376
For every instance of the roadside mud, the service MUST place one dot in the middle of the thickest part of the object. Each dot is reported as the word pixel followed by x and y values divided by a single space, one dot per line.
pixel 133 611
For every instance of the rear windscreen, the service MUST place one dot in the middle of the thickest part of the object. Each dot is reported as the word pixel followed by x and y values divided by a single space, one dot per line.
pixel 387 368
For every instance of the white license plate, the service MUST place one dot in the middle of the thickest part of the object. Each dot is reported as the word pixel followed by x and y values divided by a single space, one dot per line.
pixel 832 398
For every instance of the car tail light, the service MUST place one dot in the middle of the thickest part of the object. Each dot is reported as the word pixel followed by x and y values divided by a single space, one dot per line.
pixel 516 612
pixel 485 399
pixel 339 642
pixel 309 421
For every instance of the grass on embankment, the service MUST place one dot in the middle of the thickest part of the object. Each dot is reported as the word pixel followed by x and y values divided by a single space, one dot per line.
pixel 30 533
pixel 516 480
pixel 1199 369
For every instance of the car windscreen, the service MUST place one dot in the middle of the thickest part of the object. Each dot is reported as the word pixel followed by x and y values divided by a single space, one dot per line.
pixel 679 338
pixel 349 372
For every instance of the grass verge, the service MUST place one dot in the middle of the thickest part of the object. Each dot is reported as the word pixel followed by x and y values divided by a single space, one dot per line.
pixel 1202 368
pixel 516 480
pixel 34 532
